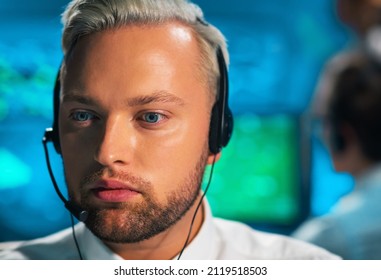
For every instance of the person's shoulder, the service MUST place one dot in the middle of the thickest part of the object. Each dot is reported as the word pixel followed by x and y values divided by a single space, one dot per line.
pixel 56 246
pixel 239 241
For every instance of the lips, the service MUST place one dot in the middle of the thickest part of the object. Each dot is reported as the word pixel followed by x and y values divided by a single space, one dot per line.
pixel 113 191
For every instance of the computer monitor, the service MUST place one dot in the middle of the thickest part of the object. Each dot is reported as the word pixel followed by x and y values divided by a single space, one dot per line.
pixel 258 178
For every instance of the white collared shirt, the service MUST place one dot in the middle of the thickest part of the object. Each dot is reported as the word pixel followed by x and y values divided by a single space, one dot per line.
pixel 352 229
pixel 217 239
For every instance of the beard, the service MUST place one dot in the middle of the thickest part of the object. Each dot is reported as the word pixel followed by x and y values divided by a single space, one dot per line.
pixel 126 222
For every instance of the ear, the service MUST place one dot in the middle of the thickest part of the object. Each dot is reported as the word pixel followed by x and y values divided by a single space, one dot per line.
pixel 211 158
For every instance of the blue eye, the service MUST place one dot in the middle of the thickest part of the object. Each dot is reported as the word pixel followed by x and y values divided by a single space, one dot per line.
pixel 82 116
pixel 152 117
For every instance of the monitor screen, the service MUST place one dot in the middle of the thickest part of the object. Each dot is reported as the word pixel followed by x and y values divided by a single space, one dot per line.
pixel 257 179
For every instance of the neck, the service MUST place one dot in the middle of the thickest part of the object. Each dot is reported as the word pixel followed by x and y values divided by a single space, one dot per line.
pixel 165 245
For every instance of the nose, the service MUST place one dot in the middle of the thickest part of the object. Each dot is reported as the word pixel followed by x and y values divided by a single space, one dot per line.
pixel 116 144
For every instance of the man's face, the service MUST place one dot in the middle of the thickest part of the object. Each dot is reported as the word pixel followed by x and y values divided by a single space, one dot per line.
pixel 134 122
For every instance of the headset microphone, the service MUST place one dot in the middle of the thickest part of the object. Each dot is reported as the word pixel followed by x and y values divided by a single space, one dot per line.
pixel 74 209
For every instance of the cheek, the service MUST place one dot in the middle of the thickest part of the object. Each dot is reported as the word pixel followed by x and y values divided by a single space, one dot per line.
pixel 75 165
pixel 175 155
pixel 78 158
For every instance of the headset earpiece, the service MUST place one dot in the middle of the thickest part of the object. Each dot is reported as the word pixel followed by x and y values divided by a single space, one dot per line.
pixel 221 120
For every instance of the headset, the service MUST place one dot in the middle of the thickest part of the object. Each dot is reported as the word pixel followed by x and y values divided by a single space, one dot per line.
pixel 221 121
pixel 220 132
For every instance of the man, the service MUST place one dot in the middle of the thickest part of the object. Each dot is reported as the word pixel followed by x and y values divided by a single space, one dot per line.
pixel 348 102
pixel 139 80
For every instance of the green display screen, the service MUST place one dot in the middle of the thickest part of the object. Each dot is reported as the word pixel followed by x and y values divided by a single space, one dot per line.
pixel 257 178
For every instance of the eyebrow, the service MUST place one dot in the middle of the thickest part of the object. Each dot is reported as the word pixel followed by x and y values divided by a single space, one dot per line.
pixel 77 97
pixel 156 97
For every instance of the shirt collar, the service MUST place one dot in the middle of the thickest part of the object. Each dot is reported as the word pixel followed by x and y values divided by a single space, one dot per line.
pixel 91 247
pixel 204 245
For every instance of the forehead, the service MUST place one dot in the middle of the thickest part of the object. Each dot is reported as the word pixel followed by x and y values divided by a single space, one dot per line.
pixel 137 58
pixel 135 41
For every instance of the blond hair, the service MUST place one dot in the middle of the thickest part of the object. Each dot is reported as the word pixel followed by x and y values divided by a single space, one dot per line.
pixel 84 17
